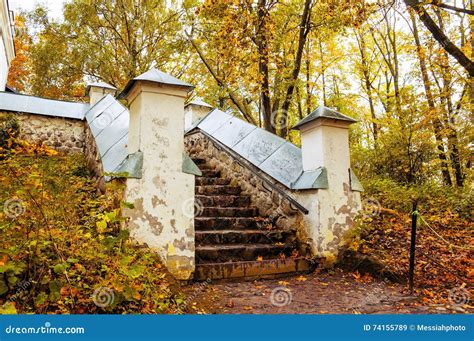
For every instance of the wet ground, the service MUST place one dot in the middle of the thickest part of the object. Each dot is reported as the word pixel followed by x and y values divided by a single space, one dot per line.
pixel 322 292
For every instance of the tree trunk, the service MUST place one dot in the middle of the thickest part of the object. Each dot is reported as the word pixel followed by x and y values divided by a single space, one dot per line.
pixel 446 97
pixel 439 35
pixel 391 34
pixel 323 72
pixel 303 34
pixel 269 122
pixel 368 84
pixel 309 105
pixel 435 122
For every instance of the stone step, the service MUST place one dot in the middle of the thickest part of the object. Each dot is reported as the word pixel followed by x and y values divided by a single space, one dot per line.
pixel 223 200
pixel 251 270
pixel 228 212
pixel 216 190
pixel 240 252
pixel 210 173
pixel 201 181
pixel 232 241
pixel 229 223
pixel 242 237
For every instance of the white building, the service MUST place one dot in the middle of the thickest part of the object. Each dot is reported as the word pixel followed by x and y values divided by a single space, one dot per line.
pixel 7 48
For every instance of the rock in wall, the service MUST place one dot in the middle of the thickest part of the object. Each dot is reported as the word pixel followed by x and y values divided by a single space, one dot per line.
pixel 62 134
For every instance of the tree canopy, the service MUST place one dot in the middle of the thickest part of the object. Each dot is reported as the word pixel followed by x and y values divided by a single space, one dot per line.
pixel 401 67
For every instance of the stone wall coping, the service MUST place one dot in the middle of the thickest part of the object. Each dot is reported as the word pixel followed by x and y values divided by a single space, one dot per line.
pixel 27 104
pixel 284 162
pixel 253 169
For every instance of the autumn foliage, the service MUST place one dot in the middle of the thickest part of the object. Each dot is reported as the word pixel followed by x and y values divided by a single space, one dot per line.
pixel 444 247
pixel 65 251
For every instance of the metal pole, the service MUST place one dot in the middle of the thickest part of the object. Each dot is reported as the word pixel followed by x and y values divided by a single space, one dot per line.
pixel 414 217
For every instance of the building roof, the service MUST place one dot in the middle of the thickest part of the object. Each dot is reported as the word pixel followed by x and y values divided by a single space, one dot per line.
pixel 200 103
pixel 268 152
pixel 102 85
pixel 42 106
pixel 109 121
pixel 323 112
pixel 155 76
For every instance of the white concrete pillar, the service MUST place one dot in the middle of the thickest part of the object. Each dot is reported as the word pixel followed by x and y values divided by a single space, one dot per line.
pixel 163 198
pixel 325 143
pixel 96 91
pixel 194 111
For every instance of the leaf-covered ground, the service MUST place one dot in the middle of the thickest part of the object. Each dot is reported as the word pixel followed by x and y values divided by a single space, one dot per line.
pixel 371 275
pixel 323 292
pixel 444 249
pixel 62 249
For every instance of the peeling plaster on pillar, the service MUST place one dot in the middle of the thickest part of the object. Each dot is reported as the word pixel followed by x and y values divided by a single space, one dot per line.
pixel 158 218
pixel 325 143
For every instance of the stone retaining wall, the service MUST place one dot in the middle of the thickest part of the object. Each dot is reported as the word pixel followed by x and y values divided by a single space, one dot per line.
pixel 62 134
pixel 93 159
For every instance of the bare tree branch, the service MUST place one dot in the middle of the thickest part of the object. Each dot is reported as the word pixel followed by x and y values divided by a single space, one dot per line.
pixel 440 37
pixel 452 8
pixel 239 104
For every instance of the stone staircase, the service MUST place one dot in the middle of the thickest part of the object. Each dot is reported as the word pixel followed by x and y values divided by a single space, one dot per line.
pixel 232 240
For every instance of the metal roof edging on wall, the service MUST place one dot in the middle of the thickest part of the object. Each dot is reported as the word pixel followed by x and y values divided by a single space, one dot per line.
pixel 249 166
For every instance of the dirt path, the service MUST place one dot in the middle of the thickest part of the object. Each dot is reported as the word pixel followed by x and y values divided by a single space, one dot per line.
pixel 334 292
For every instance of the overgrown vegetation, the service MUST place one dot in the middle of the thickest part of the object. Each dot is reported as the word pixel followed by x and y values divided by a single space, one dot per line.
pixel 62 249
pixel 444 237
